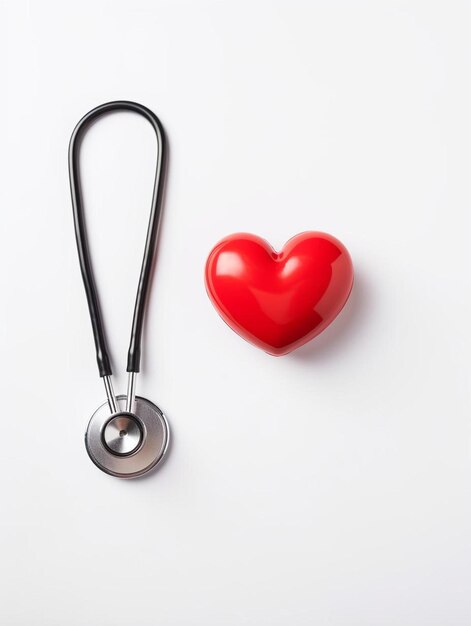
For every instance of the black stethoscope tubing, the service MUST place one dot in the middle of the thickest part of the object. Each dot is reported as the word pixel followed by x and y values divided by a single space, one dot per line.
pixel 134 352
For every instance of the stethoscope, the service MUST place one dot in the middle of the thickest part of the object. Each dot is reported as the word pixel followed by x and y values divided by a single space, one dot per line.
pixel 128 435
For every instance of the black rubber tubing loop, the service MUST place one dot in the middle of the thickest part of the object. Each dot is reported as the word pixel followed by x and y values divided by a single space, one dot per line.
pixel 134 353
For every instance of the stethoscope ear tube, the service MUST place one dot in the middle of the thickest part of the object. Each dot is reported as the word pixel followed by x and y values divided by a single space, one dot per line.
pixel 134 352
pixel 129 435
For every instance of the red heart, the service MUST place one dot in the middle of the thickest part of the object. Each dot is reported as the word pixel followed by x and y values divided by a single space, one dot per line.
pixel 279 300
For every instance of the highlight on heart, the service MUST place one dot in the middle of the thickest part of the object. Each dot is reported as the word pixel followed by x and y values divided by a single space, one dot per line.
pixel 278 301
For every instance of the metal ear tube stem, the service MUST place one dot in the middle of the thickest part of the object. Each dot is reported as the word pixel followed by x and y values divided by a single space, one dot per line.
pixel 110 394
pixel 131 391
pixel 128 435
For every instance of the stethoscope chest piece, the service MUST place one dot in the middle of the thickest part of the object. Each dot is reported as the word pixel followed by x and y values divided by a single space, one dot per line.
pixel 125 444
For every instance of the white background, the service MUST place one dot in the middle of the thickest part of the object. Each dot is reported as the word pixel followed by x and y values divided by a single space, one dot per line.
pixel 328 487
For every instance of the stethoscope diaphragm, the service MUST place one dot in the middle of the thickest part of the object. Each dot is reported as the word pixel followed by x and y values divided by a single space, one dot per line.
pixel 124 444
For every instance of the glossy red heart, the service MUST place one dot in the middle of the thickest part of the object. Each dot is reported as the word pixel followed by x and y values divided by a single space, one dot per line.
pixel 279 300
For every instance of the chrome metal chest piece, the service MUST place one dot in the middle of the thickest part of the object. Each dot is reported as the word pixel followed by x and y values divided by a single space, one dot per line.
pixel 128 435
pixel 126 444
